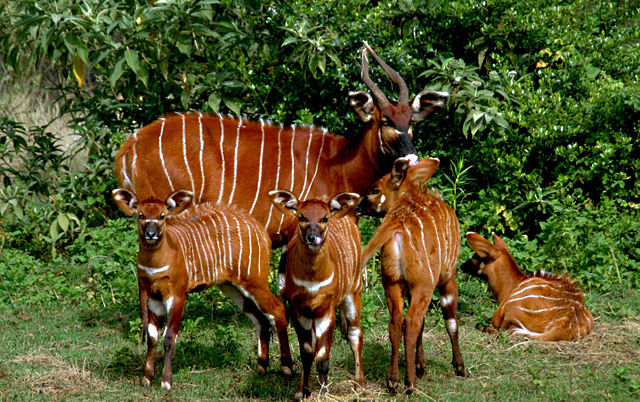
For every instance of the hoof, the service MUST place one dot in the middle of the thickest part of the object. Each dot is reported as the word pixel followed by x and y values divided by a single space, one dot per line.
pixel 261 370
pixel 460 371
pixel 420 368
pixel 393 386
pixel 145 382
pixel 166 386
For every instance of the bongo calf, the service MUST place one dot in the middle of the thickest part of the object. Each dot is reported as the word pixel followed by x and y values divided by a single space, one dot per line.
pixel 190 251
pixel 542 306
pixel 420 241
pixel 322 273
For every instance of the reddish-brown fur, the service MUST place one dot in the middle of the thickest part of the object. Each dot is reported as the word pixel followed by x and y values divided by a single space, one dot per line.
pixel 222 159
pixel 542 306
pixel 204 246
pixel 323 272
pixel 420 241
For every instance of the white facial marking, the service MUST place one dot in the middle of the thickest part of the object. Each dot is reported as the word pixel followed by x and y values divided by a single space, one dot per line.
pixel 153 332
pixel 156 307
pixel 153 271
pixel 313 287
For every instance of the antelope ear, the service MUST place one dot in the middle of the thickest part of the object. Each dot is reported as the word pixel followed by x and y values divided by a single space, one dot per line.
pixel 362 103
pixel 178 201
pixel 125 200
pixel 424 103
pixel 285 201
pixel 423 170
pixel 399 170
pixel 480 245
pixel 342 203
pixel 498 242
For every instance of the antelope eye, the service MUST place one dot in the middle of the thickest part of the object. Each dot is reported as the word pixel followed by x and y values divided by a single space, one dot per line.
pixel 161 217
pixel 375 191
pixel 302 219
pixel 324 220
pixel 141 216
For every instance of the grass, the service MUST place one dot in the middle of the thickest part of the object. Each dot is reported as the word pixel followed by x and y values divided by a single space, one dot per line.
pixel 91 351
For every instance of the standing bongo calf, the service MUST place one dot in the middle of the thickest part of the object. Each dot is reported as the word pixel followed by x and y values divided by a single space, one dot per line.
pixel 420 241
pixel 207 245
pixel 322 273
pixel 543 306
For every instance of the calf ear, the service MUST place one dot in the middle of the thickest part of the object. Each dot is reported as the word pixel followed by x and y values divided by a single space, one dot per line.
pixel 285 201
pixel 399 170
pixel 498 242
pixel 426 102
pixel 178 201
pixel 125 200
pixel 423 170
pixel 480 245
pixel 342 203
pixel 362 103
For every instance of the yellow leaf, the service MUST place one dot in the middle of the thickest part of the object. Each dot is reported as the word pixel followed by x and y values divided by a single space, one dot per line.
pixel 78 69
pixel 541 64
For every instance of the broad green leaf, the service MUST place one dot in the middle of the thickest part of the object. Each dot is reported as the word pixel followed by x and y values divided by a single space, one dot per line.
pixel 214 102
pixel 116 73
pixel 131 56
pixel 232 106
pixel 63 221
pixel 78 69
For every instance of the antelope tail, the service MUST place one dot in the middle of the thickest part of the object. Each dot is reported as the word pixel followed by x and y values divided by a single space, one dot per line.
pixel 383 234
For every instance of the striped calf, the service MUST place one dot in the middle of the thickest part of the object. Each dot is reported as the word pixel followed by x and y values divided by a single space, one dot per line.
pixel 182 252
pixel 420 241
pixel 323 272
pixel 542 306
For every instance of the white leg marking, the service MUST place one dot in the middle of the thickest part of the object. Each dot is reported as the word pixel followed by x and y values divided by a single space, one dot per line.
pixel 445 301
pixel 307 347
pixel 156 307
pixel 350 308
pixel 452 325
pixel 322 325
pixel 305 322
pixel 153 332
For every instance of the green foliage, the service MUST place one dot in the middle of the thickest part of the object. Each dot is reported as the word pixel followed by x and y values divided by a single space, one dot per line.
pixel 539 141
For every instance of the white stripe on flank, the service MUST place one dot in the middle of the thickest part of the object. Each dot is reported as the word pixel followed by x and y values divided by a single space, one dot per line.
pixel 201 152
pixel 235 162
pixel 293 136
pixel 222 159
pixel 259 169
pixel 241 245
pixel 277 186
pixel 153 271
pixel 250 260
pixel 184 152
pixel 324 132
pixel 306 161
pixel 313 287
pixel 166 173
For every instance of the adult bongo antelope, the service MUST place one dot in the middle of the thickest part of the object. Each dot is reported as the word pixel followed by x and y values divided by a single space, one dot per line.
pixel 542 306
pixel 183 251
pixel 234 161
pixel 322 273
pixel 420 241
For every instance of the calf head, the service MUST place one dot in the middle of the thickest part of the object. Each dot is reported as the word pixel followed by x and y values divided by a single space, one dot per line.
pixel 487 258
pixel 384 193
pixel 390 120
pixel 151 214
pixel 313 215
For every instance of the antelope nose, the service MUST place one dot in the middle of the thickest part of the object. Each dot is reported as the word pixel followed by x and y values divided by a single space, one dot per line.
pixel 313 239
pixel 150 234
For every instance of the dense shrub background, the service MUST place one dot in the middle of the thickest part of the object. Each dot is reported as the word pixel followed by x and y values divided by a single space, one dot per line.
pixel 539 141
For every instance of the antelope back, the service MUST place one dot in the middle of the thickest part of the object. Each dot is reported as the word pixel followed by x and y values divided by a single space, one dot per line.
pixel 549 307
pixel 220 243
pixel 430 235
